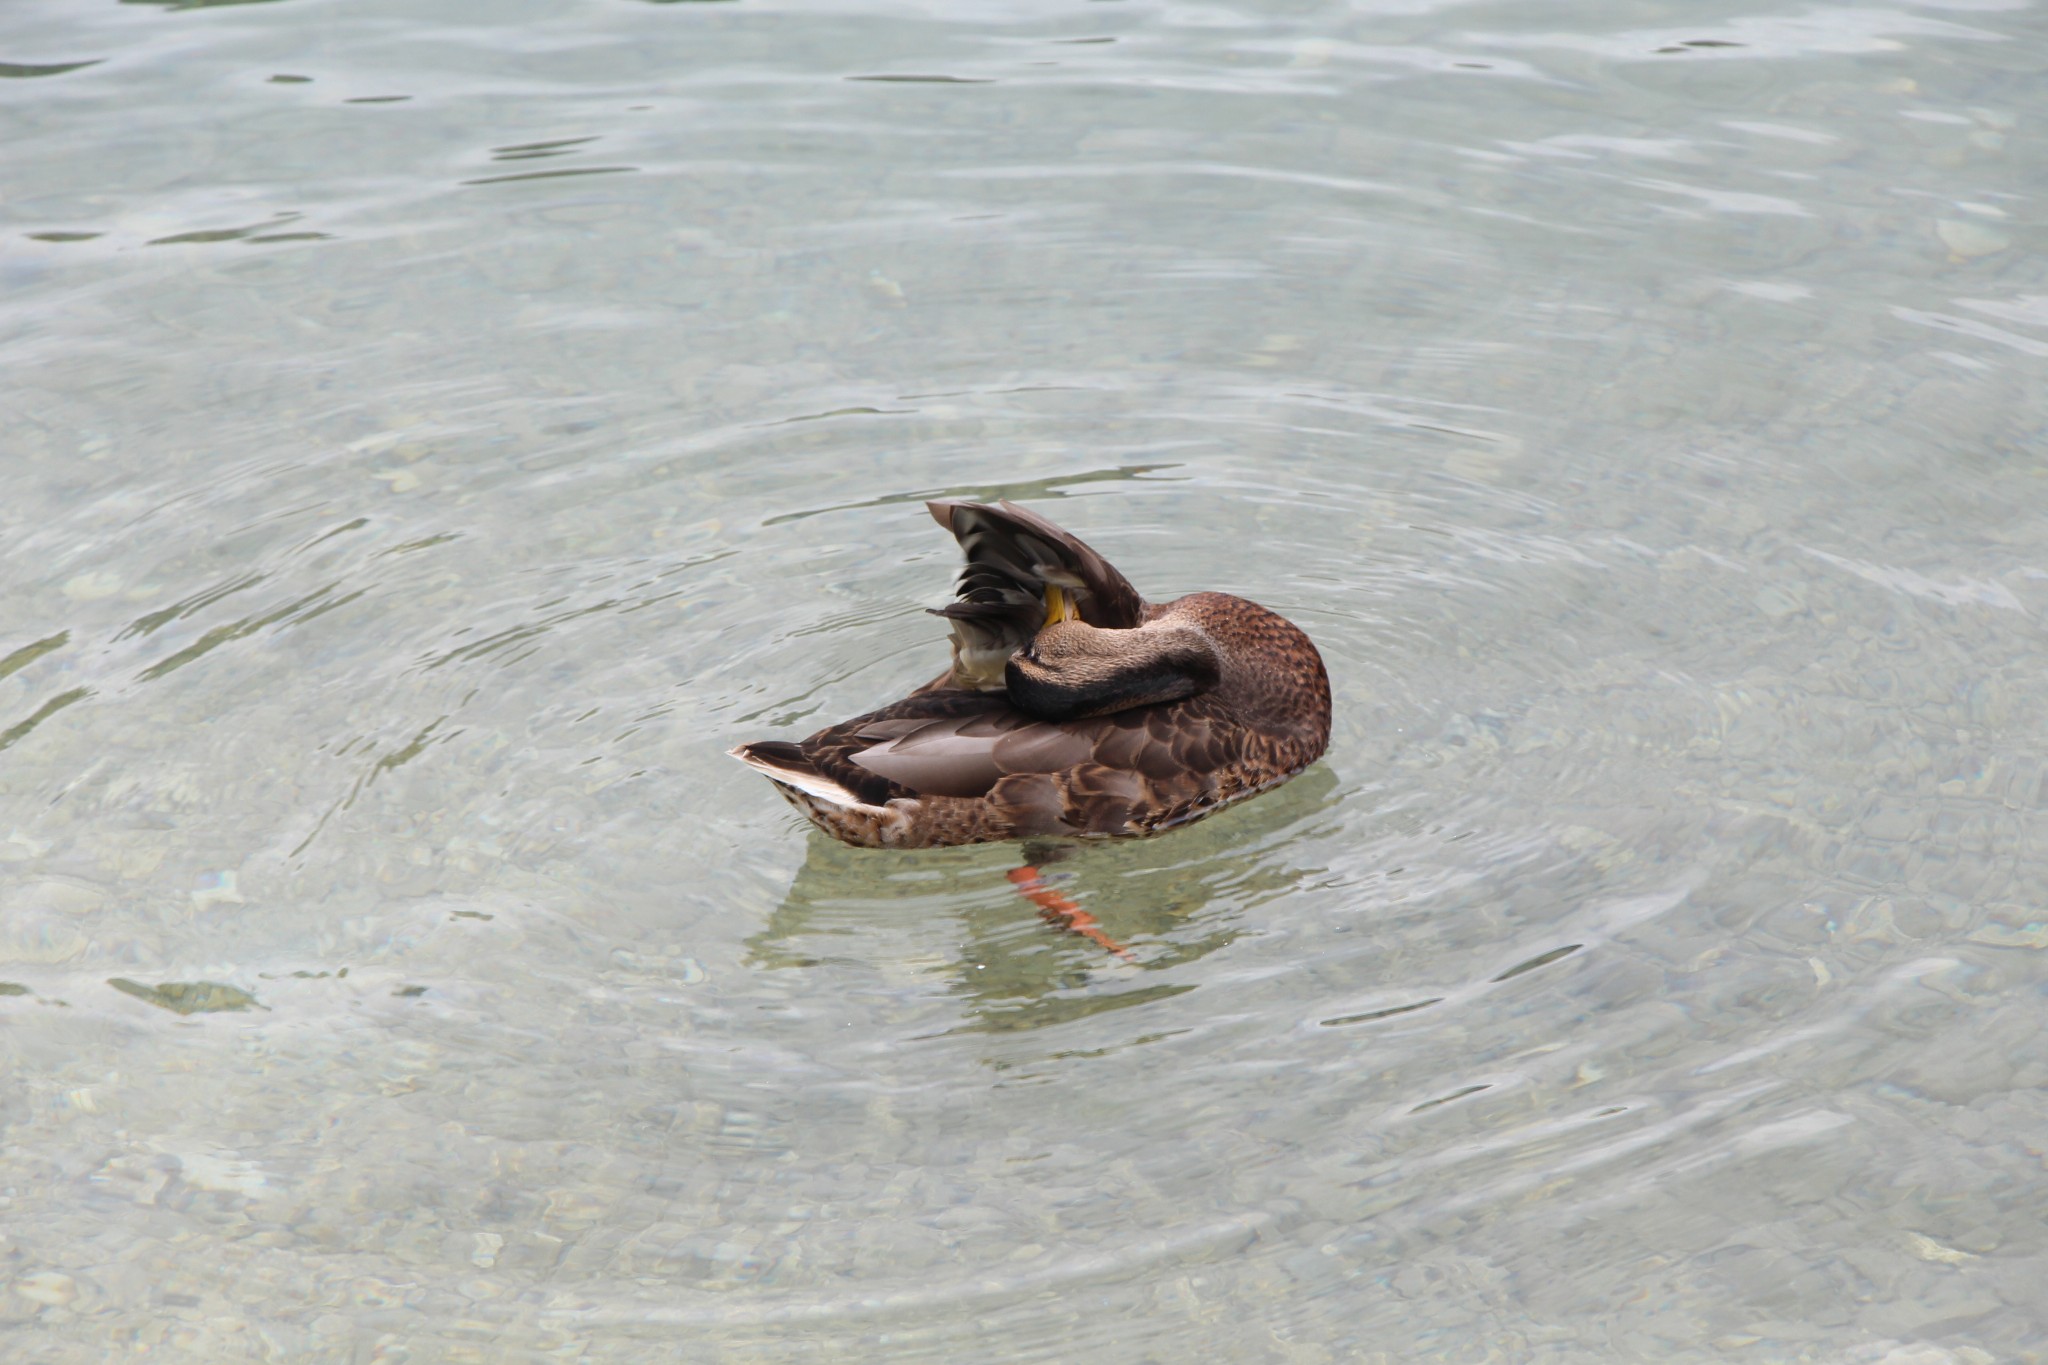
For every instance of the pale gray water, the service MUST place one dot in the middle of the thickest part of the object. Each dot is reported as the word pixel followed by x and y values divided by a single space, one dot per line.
pixel 434 431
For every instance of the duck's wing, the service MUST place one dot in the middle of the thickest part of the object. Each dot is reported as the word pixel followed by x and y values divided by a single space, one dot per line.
pixel 972 759
pixel 943 743
pixel 1022 571
pixel 967 755
pixel 1115 774
pixel 826 763
pixel 955 743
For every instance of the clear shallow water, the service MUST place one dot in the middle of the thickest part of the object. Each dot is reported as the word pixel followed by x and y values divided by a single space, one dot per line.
pixel 435 432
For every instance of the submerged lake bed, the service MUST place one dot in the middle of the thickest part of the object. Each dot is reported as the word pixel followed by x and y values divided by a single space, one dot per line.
pixel 437 432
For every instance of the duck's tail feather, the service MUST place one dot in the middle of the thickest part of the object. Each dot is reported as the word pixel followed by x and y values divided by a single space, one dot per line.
pixel 785 763
pixel 828 803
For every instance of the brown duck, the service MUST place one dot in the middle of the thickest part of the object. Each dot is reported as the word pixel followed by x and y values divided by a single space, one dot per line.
pixel 1072 707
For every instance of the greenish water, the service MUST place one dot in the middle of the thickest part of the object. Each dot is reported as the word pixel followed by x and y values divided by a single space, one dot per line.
pixel 435 431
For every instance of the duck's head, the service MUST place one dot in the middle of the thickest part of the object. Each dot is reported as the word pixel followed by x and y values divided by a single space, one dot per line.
pixel 1071 670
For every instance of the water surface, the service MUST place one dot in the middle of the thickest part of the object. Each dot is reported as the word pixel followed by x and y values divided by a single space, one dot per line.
pixel 436 431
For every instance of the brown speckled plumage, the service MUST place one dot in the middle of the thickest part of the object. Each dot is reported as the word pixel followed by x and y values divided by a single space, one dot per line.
pixel 972 757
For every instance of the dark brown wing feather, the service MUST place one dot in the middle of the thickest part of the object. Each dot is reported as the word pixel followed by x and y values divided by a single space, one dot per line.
pixel 1012 554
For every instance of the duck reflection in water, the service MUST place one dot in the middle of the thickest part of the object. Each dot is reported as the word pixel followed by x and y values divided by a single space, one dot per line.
pixel 1168 902
pixel 1071 709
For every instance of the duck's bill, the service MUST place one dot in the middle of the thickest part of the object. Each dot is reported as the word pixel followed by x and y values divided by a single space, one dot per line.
pixel 1060 605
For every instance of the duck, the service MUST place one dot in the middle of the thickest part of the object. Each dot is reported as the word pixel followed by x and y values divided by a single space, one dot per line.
pixel 1071 707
